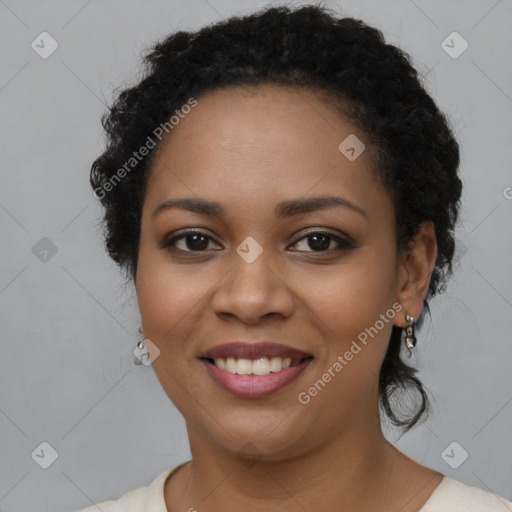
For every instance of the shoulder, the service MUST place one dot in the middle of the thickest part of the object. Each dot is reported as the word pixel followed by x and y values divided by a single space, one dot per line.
pixel 142 499
pixel 454 496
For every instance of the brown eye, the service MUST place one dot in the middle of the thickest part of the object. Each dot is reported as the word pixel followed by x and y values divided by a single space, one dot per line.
pixel 319 241
pixel 193 241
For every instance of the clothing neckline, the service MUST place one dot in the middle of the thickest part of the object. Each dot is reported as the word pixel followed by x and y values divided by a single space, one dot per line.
pixel 439 488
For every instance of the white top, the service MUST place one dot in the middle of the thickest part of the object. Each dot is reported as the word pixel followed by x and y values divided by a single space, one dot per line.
pixel 449 496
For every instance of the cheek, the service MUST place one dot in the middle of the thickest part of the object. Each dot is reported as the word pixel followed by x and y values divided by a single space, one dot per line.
pixel 355 338
pixel 168 294
pixel 356 292
pixel 349 303
pixel 170 298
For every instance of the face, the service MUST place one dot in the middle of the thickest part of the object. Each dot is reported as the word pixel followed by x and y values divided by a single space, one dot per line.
pixel 315 281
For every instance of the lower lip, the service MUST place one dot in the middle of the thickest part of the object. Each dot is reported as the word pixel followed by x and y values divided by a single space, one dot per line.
pixel 255 386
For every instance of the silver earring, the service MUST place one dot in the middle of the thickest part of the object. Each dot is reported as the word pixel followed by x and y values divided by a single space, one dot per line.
pixel 410 338
pixel 140 346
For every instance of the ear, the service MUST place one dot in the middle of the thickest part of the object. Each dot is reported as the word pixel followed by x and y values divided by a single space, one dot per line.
pixel 415 268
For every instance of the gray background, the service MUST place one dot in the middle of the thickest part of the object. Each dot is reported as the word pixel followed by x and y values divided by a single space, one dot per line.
pixel 69 326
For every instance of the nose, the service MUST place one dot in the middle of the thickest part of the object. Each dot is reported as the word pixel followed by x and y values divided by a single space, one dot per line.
pixel 252 291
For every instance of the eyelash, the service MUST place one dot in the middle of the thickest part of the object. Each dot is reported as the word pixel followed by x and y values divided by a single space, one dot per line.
pixel 343 244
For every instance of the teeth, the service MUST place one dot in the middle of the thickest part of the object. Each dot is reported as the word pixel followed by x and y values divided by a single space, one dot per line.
pixel 276 364
pixel 261 366
pixel 243 366
pixel 230 365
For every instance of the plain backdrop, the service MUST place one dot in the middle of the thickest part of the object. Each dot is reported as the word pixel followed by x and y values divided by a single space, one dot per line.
pixel 69 326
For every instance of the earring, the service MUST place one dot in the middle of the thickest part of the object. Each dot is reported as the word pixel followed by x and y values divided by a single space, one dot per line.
pixel 139 347
pixel 410 339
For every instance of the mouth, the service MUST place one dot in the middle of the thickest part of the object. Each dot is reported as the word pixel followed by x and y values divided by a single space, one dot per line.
pixel 260 366
pixel 254 370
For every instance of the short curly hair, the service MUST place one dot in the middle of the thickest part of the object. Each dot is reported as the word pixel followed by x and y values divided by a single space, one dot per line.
pixel 375 84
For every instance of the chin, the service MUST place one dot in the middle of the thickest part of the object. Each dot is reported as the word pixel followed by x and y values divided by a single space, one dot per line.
pixel 260 434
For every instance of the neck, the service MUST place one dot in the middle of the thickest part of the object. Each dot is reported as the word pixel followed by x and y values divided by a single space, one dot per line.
pixel 351 472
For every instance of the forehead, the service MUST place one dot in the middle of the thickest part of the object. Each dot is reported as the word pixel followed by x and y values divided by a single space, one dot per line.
pixel 257 144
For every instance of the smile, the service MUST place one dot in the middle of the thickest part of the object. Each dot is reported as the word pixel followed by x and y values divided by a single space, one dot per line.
pixel 254 370
pixel 261 366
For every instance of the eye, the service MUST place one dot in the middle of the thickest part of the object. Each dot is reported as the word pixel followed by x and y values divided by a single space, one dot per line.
pixel 198 241
pixel 191 241
pixel 321 241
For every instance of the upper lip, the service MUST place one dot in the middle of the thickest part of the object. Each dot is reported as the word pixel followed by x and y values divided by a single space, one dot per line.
pixel 245 350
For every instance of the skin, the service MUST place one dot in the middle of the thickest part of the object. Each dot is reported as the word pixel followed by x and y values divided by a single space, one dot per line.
pixel 249 149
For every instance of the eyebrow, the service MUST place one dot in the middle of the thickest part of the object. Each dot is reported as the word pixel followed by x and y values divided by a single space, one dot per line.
pixel 282 210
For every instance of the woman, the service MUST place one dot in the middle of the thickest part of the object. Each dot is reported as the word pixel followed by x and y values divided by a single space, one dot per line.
pixel 283 193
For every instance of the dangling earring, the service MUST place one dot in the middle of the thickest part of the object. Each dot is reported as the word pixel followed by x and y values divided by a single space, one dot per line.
pixel 410 339
pixel 139 347
pixel 145 352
